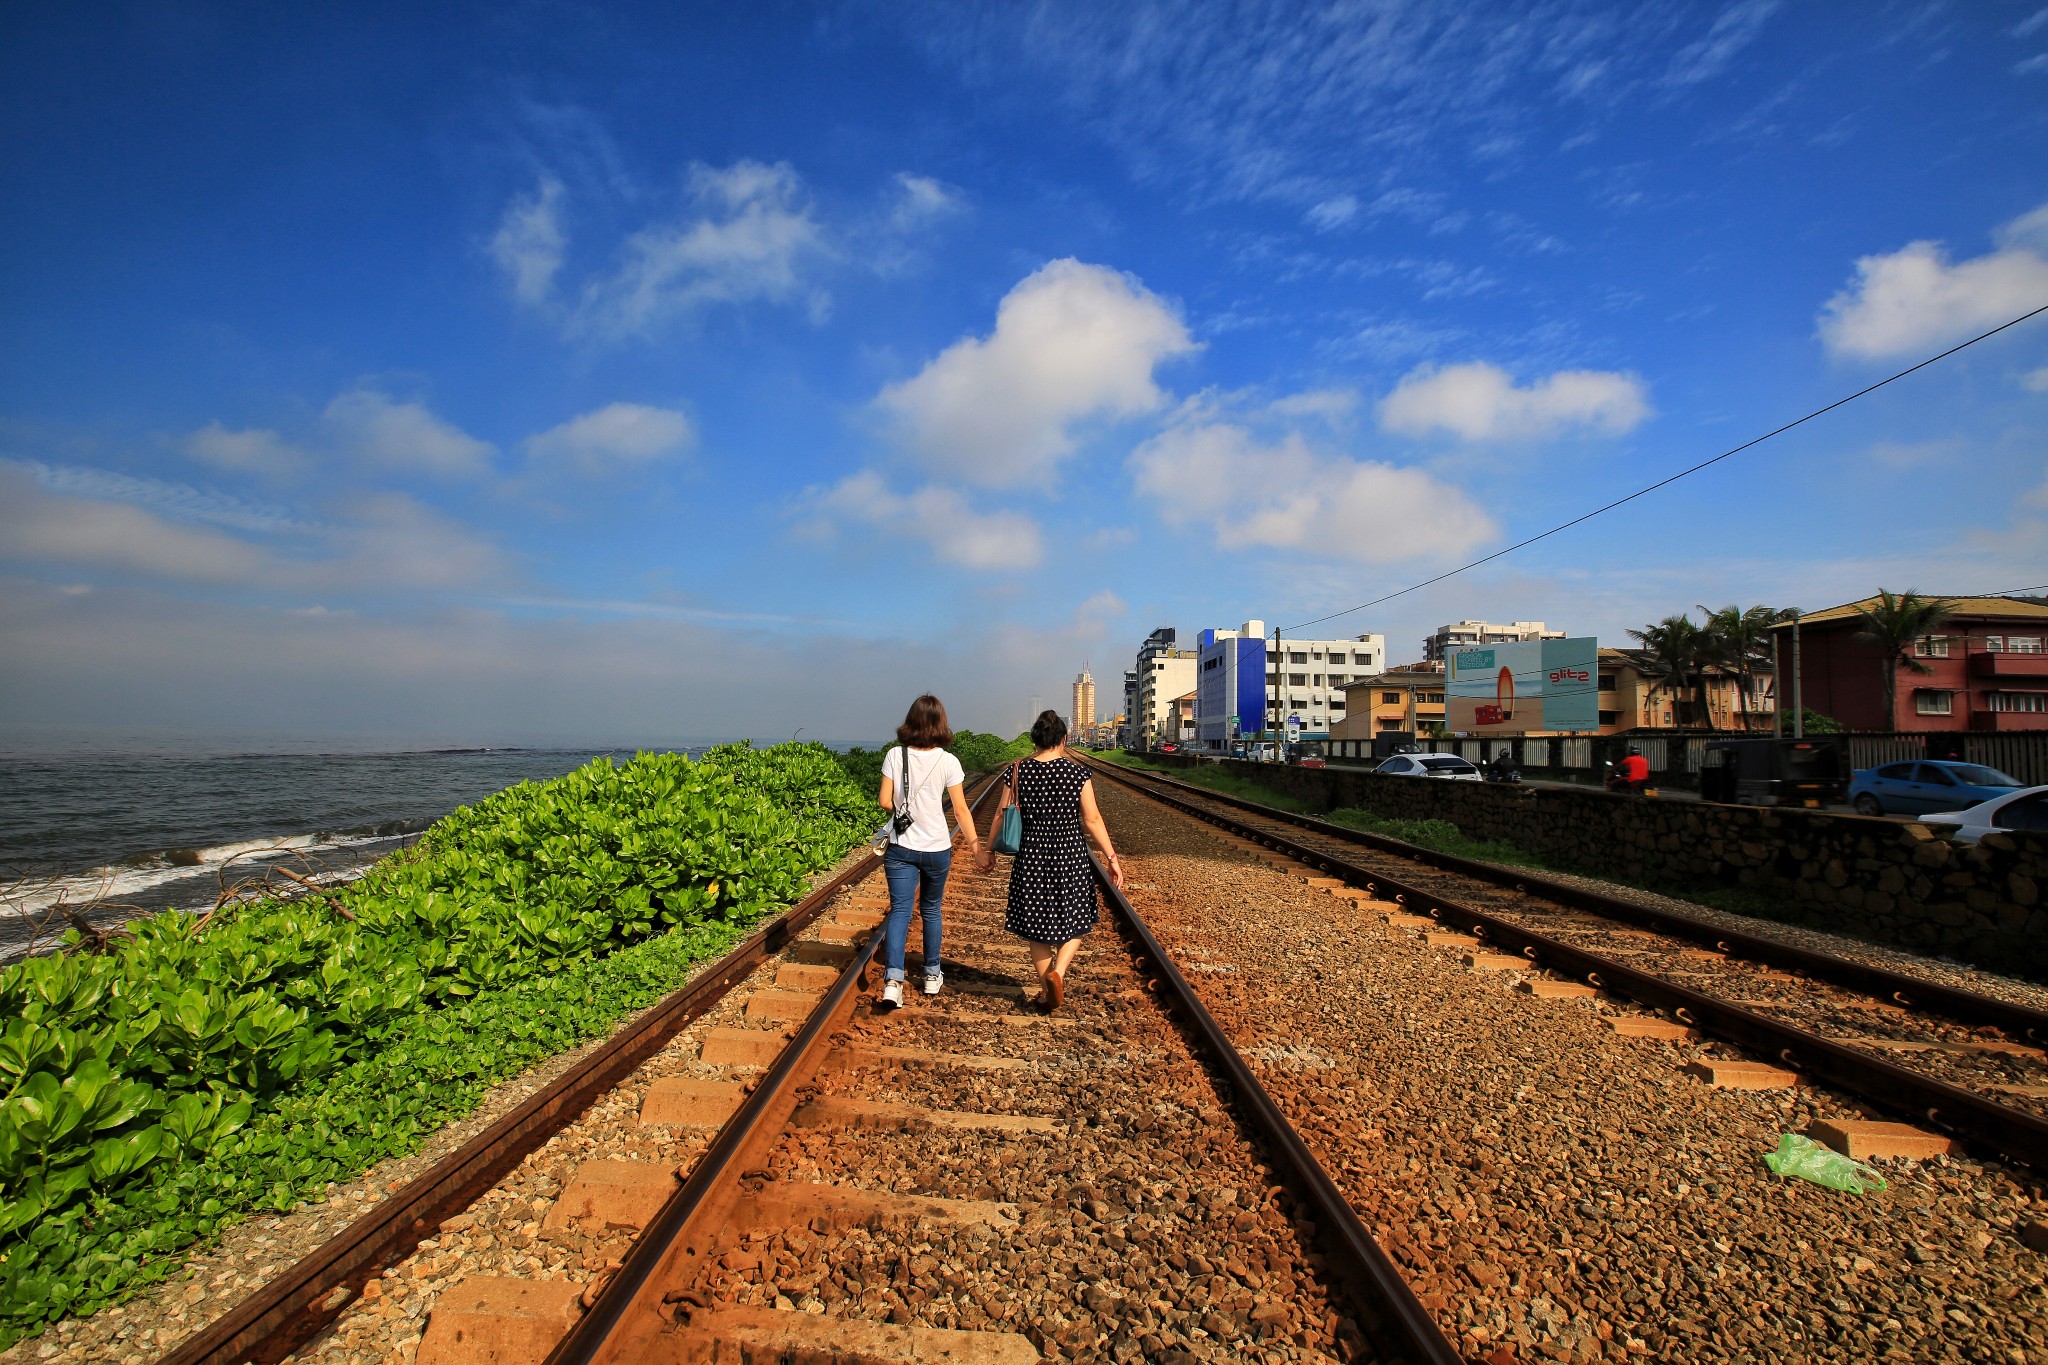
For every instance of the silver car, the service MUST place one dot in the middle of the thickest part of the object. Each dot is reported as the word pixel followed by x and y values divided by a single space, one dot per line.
pixel 2026 808
pixel 1431 765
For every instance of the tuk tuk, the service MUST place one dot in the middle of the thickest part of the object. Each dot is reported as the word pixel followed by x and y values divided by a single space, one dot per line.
pixel 1773 772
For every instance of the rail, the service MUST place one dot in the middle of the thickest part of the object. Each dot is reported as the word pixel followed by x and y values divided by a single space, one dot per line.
pixel 2012 1132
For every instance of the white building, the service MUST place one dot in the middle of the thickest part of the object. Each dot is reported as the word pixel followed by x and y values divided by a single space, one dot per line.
pixel 1162 676
pixel 1308 679
pixel 1467 634
pixel 1239 673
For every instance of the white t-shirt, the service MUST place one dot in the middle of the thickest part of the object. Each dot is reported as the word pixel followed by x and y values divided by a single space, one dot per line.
pixel 931 772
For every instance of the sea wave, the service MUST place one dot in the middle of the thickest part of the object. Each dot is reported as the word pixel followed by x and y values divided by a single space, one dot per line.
pixel 140 872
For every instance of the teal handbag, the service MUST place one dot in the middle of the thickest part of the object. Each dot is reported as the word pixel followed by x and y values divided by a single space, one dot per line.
pixel 1009 835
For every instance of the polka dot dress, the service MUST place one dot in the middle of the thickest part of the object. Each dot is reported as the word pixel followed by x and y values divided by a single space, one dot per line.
pixel 1052 887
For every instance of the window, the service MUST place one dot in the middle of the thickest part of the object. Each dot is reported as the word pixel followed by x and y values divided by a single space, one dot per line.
pixel 1431 696
pixel 1390 699
pixel 1932 775
pixel 1896 772
pixel 1994 644
pixel 2016 701
pixel 2025 644
pixel 1610 717
pixel 1297 680
pixel 1335 657
pixel 1390 723
pixel 1606 682
pixel 1931 703
pixel 1931 646
pixel 1159 668
pixel 1337 703
pixel 2029 812
pixel 1296 657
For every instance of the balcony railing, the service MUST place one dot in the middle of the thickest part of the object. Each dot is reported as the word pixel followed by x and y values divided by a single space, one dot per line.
pixel 1988 665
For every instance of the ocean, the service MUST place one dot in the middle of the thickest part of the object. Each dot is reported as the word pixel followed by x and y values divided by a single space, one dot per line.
pixel 107 831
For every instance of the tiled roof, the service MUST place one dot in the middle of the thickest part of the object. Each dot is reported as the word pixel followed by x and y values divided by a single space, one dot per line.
pixel 2006 607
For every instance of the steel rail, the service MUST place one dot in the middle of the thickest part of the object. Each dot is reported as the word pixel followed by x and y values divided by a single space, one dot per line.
pixel 627 1317
pixel 2014 1133
pixel 1377 1284
pixel 628 1309
pixel 1966 1007
pixel 290 1310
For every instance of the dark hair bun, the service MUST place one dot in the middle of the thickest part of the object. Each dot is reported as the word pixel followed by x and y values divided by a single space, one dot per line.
pixel 1048 729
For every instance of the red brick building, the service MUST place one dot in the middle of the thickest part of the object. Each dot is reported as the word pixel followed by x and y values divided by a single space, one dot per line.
pixel 1988 669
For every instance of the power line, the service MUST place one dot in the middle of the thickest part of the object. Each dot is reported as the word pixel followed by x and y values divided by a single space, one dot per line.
pixel 1640 492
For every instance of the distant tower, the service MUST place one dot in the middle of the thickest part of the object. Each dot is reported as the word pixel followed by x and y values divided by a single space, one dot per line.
pixel 1084 700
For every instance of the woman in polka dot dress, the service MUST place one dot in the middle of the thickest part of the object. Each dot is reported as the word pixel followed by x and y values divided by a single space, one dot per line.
pixel 1052 887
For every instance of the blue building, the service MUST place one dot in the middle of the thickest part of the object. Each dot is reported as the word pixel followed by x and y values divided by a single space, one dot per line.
pixel 1230 683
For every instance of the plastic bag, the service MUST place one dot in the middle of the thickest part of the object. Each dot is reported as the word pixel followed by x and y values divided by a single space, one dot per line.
pixel 1823 1165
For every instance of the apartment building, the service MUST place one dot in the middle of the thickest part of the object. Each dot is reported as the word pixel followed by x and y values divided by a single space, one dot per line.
pixel 1986 669
pixel 1162 678
pixel 1466 634
pixel 1083 715
pixel 1239 675
pixel 1407 699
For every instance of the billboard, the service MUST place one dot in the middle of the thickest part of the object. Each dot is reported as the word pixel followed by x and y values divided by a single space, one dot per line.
pixel 1520 686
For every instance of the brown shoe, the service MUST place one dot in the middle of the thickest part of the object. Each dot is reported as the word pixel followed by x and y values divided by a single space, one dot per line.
pixel 1055 991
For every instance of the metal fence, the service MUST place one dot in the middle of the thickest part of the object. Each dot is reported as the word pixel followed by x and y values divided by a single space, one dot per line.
pixel 2025 756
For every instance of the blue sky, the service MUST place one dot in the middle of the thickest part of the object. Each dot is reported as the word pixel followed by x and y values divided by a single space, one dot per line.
pixel 636 373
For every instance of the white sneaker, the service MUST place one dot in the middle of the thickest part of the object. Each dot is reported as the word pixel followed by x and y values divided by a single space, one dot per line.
pixel 892 995
pixel 932 984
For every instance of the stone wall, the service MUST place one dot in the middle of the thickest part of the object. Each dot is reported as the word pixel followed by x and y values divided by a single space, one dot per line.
pixel 1876 879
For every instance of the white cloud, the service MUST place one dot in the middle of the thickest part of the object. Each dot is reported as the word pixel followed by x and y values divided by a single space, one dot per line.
pixel 1283 495
pixel 748 231
pixel 921 199
pixel 373 429
pixel 1332 214
pixel 124 528
pixel 938 516
pixel 254 451
pixel 1480 402
pixel 178 501
pixel 40 529
pixel 529 243
pixel 1071 342
pixel 619 434
pixel 2035 381
pixel 1914 298
pixel 1734 29
pixel 1094 615
pixel 1334 406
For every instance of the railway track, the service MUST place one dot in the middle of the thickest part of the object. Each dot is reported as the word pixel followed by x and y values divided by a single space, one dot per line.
pixel 1976 1071
pixel 962 1179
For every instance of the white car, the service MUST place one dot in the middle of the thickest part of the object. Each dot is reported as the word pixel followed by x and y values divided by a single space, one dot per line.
pixel 2026 808
pixel 1430 765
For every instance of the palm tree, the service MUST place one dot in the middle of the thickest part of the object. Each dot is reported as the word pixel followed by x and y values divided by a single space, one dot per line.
pixel 1893 623
pixel 1675 651
pixel 1739 640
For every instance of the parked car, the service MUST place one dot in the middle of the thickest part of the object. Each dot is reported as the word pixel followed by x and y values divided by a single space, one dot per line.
pixel 1308 754
pixel 2026 808
pixel 1169 748
pixel 1430 765
pixel 1924 785
pixel 1389 742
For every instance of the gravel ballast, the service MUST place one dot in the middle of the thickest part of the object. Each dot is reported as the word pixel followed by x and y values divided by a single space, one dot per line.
pixel 1552 1190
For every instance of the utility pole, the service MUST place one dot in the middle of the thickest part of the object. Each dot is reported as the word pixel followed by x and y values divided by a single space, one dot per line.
pixel 1277 707
pixel 1798 697
pixel 1777 692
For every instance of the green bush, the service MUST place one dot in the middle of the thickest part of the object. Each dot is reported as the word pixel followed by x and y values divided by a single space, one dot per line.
pixel 126 1077
pixel 977 752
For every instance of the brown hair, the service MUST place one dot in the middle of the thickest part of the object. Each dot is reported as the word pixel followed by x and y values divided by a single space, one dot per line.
pixel 924 725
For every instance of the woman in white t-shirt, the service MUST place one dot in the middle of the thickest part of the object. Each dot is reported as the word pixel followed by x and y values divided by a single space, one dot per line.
pixel 921 854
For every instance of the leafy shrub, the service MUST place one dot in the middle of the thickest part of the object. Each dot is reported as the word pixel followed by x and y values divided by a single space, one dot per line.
pixel 977 752
pixel 125 1077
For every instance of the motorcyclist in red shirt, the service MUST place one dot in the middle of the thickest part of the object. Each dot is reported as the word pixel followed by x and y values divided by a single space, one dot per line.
pixel 1633 774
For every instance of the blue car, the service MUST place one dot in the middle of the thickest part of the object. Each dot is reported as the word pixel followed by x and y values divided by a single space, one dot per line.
pixel 1926 785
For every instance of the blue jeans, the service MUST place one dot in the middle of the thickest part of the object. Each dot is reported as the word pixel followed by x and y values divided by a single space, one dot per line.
pixel 906 868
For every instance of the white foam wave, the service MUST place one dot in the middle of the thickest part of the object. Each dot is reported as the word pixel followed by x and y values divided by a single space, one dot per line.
pixel 122 880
